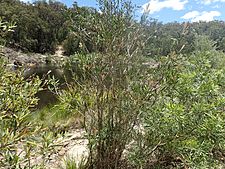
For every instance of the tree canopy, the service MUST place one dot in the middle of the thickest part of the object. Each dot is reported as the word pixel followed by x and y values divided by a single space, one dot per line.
pixel 42 25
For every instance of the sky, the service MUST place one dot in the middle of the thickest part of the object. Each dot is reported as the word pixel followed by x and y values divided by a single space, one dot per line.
pixel 172 10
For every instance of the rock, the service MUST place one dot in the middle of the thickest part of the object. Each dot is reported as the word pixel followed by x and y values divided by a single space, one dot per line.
pixel 74 147
pixel 26 58
pixel 34 64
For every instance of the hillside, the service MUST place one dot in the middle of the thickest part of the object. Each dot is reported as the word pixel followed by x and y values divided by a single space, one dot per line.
pixel 42 26
pixel 97 88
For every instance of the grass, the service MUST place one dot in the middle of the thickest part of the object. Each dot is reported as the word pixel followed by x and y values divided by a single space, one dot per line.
pixel 57 117
pixel 72 163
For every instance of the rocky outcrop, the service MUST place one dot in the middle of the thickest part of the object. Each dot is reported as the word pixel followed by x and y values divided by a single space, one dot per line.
pixel 37 65
pixel 17 58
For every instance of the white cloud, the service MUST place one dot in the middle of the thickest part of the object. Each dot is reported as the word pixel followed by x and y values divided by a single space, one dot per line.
pixel 196 16
pixel 191 15
pixel 207 2
pixel 156 5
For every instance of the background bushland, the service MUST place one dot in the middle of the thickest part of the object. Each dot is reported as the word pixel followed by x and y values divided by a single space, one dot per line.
pixel 149 95
pixel 42 25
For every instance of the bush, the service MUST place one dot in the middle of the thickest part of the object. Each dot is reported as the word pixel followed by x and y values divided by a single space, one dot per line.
pixel 167 113
pixel 71 44
pixel 5 28
pixel 107 86
pixel 23 143
pixel 162 112
pixel 184 126
pixel 17 98
pixel 20 140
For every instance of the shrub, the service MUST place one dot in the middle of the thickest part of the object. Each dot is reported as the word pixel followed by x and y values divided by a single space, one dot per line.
pixel 184 126
pixel 107 84
pixel 71 44
pixel 5 27
pixel 17 98
pixel 20 140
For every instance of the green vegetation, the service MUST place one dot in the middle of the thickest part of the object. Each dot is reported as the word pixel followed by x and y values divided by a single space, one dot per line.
pixel 38 26
pixel 148 95
pixel 19 137
pixel 5 28
pixel 20 140
pixel 44 24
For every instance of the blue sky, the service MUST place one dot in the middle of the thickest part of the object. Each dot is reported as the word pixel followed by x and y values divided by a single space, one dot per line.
pixel 173 10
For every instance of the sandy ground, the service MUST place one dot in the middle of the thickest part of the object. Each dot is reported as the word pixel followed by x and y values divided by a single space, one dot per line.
pixel 74 146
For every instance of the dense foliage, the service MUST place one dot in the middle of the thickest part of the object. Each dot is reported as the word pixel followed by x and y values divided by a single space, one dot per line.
pixel 22 142
pixel 38 25
pixel 184 126
pixel 44 24
pixel 150 95
pixel 149 112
